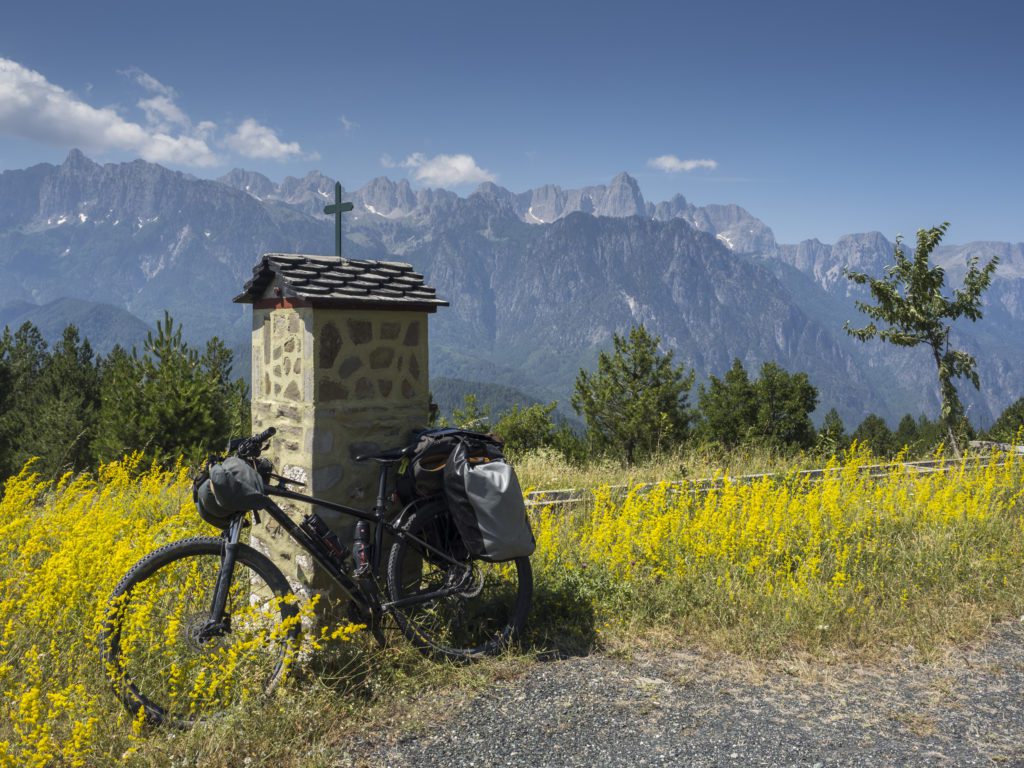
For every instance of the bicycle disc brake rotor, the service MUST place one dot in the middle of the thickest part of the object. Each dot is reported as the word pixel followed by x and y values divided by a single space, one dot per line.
pixel 198 633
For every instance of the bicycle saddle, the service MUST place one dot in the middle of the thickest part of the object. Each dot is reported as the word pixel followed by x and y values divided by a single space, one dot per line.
pixel 390 456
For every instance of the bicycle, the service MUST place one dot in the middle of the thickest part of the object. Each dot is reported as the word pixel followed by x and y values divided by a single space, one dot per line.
pixel 205 622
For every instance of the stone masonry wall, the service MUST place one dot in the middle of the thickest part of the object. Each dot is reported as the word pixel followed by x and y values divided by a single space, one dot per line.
pixel 335 384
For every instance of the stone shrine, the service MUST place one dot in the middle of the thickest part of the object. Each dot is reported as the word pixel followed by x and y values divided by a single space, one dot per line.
pixel 340 368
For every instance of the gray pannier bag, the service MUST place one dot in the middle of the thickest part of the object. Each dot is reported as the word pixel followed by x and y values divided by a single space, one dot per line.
pixel 486 502
pixel 227 488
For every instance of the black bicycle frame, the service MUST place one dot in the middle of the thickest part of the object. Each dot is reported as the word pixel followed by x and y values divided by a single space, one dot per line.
pixel 362 592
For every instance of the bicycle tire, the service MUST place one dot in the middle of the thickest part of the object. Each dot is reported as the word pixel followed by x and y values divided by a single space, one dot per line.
pixel 153 654
pixel 481 620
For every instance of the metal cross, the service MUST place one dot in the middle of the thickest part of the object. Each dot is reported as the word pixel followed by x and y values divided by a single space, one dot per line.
pixel 336 210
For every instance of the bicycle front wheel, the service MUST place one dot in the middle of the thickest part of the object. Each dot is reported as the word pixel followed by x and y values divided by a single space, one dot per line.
pixel 164 654
pixel 488 604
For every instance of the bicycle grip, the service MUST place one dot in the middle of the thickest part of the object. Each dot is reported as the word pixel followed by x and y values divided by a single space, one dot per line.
pixel 263 436
pixel 250 447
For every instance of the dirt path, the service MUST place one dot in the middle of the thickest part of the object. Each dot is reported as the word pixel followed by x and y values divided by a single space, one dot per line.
pixel 677 708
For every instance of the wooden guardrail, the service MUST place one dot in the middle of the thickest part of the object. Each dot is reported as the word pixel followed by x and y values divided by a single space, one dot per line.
pixel 565 496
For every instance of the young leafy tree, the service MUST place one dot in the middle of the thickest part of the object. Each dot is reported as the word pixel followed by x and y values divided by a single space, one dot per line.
pixel 728 407
pixel 527 429
pixel 471 415
pixel 636 401
pixel 912 308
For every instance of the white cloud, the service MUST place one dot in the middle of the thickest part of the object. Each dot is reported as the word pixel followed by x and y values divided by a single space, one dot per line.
pixel 347 124
pixel 162 113
pixel 161 109
pixel 252 139
pixel 442 170
pixel 672 164
pixel 34 108
pixel 149 82
pixel 204 130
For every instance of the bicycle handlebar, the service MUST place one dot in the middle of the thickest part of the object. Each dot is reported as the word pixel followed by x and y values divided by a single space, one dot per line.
pixel 250 447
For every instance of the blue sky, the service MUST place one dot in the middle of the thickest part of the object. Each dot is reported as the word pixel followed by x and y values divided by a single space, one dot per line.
pixel 820 118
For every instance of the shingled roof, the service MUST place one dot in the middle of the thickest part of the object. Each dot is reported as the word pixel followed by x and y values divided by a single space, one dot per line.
pixel 327 281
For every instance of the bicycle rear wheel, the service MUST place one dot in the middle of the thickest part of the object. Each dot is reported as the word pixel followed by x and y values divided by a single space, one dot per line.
pixel 484 614
pixel 158 646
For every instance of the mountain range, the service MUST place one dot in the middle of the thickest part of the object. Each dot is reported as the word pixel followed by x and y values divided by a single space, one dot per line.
pixel 538 281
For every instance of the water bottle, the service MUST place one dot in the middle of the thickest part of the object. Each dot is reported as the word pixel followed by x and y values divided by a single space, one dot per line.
pixel 317 529
pixel 361 548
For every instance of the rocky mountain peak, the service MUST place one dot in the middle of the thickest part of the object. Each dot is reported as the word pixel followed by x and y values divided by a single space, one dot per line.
pixel 256 184
pixel 386 197
pixel 492 192
pixel 77 162
pixel 622 198
pixel 623 178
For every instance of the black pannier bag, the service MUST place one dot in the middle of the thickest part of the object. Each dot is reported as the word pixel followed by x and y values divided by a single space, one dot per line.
pixel 223 490
pixel 486 502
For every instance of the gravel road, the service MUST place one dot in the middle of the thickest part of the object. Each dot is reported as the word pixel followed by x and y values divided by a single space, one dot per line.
pixel 675 708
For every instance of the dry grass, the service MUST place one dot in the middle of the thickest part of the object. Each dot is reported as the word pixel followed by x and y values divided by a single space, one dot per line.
pixel 547 470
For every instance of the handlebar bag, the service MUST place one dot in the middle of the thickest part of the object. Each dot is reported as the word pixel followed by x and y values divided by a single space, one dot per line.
pixel 486 503
pixel 230 487
pixel 206 502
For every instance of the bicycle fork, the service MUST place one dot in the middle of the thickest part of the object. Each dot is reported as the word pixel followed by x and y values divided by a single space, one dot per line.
pixel 219 621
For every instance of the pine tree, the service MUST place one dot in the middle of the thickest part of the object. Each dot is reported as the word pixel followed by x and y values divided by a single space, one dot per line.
pixel 170 400
pixel 832 437
pixel 907 435
pixel 67 404
pixel 235 417
pixel 876 435
pixel 635 403
pixel 728 407
pixel 784 405
pixel 774 409
pixel 910 303
pixel 1009 427
pixel 6 404
pixel 930 434
pixel 118 430
pixel 24 354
